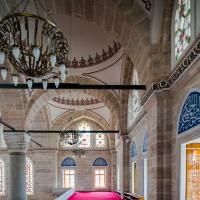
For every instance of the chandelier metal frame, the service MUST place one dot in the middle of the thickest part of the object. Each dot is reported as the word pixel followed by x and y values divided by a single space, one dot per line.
pixel 36 49
pixel 69 137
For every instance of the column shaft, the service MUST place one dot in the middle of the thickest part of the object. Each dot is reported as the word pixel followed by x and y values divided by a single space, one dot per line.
pixel 17 190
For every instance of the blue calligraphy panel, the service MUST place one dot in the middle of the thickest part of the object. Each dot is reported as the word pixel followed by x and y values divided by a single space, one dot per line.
pixel 190 113
pixel 100 162
pixel 145 143
pixel 68 162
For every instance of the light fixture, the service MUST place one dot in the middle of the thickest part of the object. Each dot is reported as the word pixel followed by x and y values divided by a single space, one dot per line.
pixel 69 137
pixel 2 57
pixel 44 83
pixel 79 153
pixel 56 81
pixel 34 46
pixel 4 73
pixel 15 79
pixel 30 83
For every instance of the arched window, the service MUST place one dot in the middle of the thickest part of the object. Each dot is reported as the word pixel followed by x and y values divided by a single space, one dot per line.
pixel 182 26
pixel 2 177
pixel 133 102
pixel 84 138
pixel 190 114
pixel 100 162
pixel 133 150
pixel 145 143
pixel 29 177
pixel 100 140
pixel 68 165
pixel 100 165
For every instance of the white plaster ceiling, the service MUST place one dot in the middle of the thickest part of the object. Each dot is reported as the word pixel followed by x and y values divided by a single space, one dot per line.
pixel 57 109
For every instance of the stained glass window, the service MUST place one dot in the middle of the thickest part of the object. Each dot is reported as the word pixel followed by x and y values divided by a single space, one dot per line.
pixel 100 140
pixel 133 102
pixel 182 26
pixel 84 138
pixel 2 177
pixel 29 176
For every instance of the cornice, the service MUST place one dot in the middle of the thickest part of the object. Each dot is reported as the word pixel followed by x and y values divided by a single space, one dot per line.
pixel 182 66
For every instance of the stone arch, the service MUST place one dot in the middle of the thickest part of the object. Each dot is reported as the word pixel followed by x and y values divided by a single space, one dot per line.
pixel 124 20
pixel 68 119
pixel 40 98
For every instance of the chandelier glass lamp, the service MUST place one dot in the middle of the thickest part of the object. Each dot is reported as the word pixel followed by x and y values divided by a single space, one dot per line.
pixel 69 138
pixel 34 47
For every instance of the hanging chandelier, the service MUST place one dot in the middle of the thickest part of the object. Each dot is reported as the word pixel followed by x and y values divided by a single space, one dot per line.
pixel 34 47
pixel 79 153
pixel 69 138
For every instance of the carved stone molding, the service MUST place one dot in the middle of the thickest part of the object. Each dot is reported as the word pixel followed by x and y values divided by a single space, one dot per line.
pixel 97 59
pixel 17 142
pixel 76 102
pixel 184 64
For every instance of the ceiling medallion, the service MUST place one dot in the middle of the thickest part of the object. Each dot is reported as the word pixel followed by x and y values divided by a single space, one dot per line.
pixel 34 47
pixel 69 138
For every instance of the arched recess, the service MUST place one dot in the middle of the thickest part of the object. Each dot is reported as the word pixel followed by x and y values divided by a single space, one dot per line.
pixel 189 116
pixel 68 162
pixel 100 162
pixel 40 98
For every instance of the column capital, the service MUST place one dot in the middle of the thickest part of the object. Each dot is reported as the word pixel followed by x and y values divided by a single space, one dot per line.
pixel 17 142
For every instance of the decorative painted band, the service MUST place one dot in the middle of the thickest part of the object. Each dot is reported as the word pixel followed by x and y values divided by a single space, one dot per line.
pixel 181 68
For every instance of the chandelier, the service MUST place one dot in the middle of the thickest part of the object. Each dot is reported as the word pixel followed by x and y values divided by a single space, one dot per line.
pixel 69 138
pixel 34 47
pixel 79 153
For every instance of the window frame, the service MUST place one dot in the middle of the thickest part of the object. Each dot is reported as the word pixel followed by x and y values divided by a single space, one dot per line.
pixel 105 144
pixel 174 61
pixel 63 176
pixel 105 177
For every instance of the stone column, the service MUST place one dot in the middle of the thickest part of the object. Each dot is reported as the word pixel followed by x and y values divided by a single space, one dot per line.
pixel 17 144
pixel 124 164
pixel 113 171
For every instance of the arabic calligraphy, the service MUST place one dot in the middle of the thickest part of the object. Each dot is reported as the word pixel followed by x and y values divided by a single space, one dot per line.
pixel 190 113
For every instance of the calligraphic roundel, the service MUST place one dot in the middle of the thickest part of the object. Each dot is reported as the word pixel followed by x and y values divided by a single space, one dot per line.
pixel 190 113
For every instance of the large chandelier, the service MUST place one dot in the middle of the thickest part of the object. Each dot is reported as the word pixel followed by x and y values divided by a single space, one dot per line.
pixel 69 138
pixel 34 47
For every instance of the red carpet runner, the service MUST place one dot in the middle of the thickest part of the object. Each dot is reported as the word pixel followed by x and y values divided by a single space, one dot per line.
pixel 95 196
